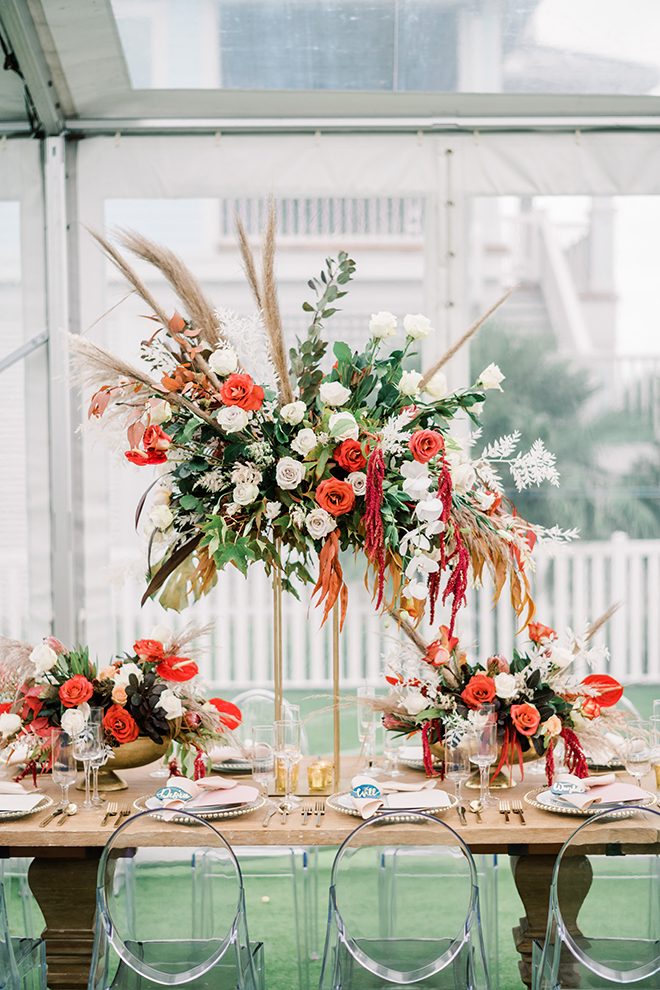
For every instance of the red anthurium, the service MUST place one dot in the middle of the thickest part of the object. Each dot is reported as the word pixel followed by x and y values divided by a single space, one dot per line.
pixel 230 715
pixel 177 669
pixel 609 690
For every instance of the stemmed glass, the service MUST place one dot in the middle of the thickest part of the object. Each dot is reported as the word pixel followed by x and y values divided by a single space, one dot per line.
pixel 457 763
pixel 638 750
pixel 95 717
pixel 392 746
pixel 64 762
pixel 287 750
pixel 654 727
pixel 262 756
pixel 88 745
pixel 482 744
pixel 366 725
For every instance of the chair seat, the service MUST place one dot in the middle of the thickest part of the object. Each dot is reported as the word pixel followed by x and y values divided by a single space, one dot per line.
pixel 619 954
pixel 402 955
pixel 222 976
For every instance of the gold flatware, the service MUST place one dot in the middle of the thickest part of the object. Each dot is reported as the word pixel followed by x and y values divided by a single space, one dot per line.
pixel 285 811
pixel 460 811
pixel 111 811
pixel 320 810
pixel 476 807
pixel 505 808
pixel 517 809
pixel 49 818
pixel 272 811
pixel 306 810
pixel 123 813
pixel 68 812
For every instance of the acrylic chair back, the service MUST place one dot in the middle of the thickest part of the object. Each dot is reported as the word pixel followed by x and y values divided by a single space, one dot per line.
pixel 170 905
pixel 257 707
pixel 404 905
pixel 604 915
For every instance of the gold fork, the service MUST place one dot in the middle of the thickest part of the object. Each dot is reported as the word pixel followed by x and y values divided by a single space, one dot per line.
pixel 505 808
pixel 517 809
pixel 306 810
pixel 124 812
pixel 111 811
pixel 320 810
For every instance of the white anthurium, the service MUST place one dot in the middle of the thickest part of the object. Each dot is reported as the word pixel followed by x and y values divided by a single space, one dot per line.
pixel 429 510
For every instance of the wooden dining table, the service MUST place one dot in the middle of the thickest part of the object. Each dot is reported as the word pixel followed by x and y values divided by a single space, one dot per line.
pixel 62 874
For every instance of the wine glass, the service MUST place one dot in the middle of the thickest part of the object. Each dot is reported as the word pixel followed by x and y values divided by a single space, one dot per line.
pixel 654 729
pixel 287 751
pixel 457 763
pixel 366 725
pixel 87 745
pixel 638 750
pixel 392 746
pixel 482 743
pixel 63 762
pixel 262 756
pixel 95 717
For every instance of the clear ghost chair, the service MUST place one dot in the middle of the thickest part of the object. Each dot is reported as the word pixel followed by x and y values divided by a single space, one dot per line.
pixel 404 909
pixel 22 959
pixel 171 910
pixel 604 915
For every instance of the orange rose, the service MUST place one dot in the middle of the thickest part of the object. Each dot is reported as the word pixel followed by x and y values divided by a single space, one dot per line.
pixel 349 455
pixel 541 634
pixel 155 439
pixel 240 390
pixel 425 444
pixel 149 649
pixel 120 724
pixel 177 669
pixel 76 690
pixel 526 719
pixel 480 690
pixel 336 497
pixel 436 654
pixel 591 708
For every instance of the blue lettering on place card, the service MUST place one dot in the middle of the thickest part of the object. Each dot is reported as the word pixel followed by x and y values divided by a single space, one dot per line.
pixel 567 787
pixel 173 794
pixel 366 791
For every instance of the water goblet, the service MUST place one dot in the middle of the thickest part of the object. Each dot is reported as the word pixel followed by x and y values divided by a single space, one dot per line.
pixel 88 745
pixel 457 763
pixel 262 756
pixel 392 746
pixel 654 730
pixel 366 725
pixel 95 717
pixel 64 770
pixel 638 750
pixel 287 752
pixel 482 743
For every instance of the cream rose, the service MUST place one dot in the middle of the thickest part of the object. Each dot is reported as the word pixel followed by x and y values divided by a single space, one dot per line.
pixel 160 633
pixel 289 473
pixel 382 325
pixel 505 686
pixel 552 727
pixel 160 413
pixel 232 419
pixel 409 384
pixel 170 704
pixel 319 523
pixel 334 393
pixel 414 703
pixel 224 361
pixel 358 482
pixel 245 493
pixel 491 377
pixel 343 426
pixel 73 721
pixel 304 442
pixel 9 723
pixel 436 386
pixel 417 327
pixel 43 658
pixel 161 516
pixel 293 413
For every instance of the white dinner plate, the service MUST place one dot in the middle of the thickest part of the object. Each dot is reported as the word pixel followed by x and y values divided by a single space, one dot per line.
pixel 344 803
pixel 151 803
pixel 542 798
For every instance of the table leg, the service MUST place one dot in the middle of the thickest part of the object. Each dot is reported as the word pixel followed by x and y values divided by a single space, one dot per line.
pixel 65 889
pixel 533 876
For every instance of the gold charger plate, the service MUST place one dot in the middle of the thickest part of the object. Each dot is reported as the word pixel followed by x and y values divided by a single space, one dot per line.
pixel 211 816
pixel 530 798
pixel 334 803
pixel 46 802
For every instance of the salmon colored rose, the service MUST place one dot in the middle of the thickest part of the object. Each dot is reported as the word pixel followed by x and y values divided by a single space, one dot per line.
pixel 107 673
pixel 229 714
pixel 336 497
pixel 591 708
pixel 539 633
pixel 120 724
pixel 240 390
pixel 349 456
pixel 76 690
pixel 479 690
pixel 177 669
pixel 155 439
pixel 149 649
pixel 436 654
pixel 425 444
pixel 526 719
pixel 119 695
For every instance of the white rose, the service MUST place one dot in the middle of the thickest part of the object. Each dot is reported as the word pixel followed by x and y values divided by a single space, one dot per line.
pixel 161 516
pixel 505 686
pixel 462 477
pixel 160 633
pixel 160 413
pixel 272 510
pixel 343 426
pixel 9 723
pixel 334 393
pixel 43 658
pixel 409 384
pixel 293 413
pixel 73 721
pixel 232 419
pixel 170 704
pixel 305 442
pixel 319 523
pixel 162 497
pixel 417 327
pixel 382 325
pixel 491 377
pixel 245 492
pixel 223 361
pixel 414 703
pixel 289 473
pixel 436 386
pixel 124 672
pixel 358 482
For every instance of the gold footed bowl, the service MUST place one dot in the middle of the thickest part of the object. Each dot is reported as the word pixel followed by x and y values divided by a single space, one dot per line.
pixel 502 781
pixel 138 753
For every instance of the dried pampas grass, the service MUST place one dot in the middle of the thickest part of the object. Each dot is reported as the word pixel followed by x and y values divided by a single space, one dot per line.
pixel 15 663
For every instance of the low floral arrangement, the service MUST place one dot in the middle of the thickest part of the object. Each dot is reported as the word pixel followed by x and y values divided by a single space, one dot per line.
pixel 152 692
pixel 435 689
pixel 264 458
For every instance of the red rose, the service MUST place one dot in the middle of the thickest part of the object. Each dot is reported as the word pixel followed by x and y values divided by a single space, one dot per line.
pixel 177 669
pixel 541 634
pixel 526 719
pixel 240 390
pixel 120 724
pixel 76 690
pixel 609 690
pixel 336 497
pixel 436 654
pixel 141 458
pixel 349 456
pixel 591 708
pixel 425 444
pixel 149 649
pixel 230 715
pixel 480 690
pixel 155 439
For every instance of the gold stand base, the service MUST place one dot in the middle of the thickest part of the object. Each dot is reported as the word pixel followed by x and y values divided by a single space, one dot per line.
pixel 108 781
pixel 501 782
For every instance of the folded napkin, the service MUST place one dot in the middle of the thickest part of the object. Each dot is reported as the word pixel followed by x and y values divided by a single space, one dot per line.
pixel 240 794
pixel 11 787
pixel 19 802
pixel 583 792
pixel 369 795
pixel 207 793
pixel 221 753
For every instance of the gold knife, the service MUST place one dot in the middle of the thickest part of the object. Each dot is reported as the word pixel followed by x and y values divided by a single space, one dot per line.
pixel 273 811
pixel 49 818
pixel 460 810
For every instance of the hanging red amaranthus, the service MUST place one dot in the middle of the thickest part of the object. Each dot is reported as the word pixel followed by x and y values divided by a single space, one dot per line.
pixel 173 767
pixel 510 746
pixel 458 579
pixel 372 520
pixel 431 726
pixel 199 765
pixel 434 590
pixel 550 763
pixel 575 758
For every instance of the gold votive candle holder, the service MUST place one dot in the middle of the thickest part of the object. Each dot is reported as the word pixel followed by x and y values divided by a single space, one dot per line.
pixel 656 767
pixel 319 775
pixel 280 777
